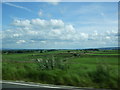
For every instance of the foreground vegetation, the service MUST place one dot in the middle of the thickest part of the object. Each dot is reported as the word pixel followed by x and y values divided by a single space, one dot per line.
pixel 81 68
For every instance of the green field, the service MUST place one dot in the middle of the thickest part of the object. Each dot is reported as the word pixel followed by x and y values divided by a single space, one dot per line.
pixel 79 68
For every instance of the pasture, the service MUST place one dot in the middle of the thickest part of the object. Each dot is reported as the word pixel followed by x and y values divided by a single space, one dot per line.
pixel 81 68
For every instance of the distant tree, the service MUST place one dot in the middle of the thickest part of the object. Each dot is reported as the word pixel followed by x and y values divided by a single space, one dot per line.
pixel 41 51
pixel 68 51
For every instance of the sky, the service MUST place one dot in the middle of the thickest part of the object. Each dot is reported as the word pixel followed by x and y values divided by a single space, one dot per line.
pixel 59 25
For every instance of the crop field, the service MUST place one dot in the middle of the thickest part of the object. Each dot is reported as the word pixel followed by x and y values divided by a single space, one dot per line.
pixel 81 68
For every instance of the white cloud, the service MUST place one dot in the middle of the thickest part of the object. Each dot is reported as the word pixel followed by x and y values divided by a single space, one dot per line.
pixel 21 7
pixel 56 23
pixel 44 42
pixel 95 33
pixel 21 22
pixel 70 28
pixel 39 22
pixel 113 32
pixel 84 35
pixel 52 32
pixel 40 13
pixel 33 32
pixel 20 41
pixel 53 2
pixel 55 32
pixel 16 35
pixel 107 37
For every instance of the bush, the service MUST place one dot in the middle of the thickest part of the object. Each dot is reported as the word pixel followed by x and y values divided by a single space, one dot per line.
pixel 102 76
pixel 51 63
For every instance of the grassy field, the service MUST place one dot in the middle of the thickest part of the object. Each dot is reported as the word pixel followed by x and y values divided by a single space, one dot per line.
pixel 79 68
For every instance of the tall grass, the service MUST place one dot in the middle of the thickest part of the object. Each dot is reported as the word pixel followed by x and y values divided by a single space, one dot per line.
pixel 77 71
pixel 104 77
pixel 101 77
pixel 51 63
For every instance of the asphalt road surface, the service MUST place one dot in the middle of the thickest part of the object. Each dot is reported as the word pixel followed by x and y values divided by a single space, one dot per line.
pixel 33 86
pixel 4 85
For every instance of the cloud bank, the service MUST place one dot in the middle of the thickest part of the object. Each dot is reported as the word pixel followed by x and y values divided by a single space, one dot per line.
pixel 54 33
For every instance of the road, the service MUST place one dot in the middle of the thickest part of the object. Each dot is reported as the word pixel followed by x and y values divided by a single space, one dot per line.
pixel 6 85
pixel 24 85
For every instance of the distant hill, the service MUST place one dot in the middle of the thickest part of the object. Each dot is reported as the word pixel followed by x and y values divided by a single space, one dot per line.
pixel 102 48
pixel 110 48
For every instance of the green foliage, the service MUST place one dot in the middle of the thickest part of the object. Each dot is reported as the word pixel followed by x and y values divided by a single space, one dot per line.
pixel 51 63
pixel 63 68
pixel 103 77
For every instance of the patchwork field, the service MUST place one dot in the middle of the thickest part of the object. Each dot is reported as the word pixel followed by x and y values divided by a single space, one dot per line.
pixel 81 68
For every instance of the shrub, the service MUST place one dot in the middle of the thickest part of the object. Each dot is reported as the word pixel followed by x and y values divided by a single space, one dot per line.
pixel 51 63
pixel 102 76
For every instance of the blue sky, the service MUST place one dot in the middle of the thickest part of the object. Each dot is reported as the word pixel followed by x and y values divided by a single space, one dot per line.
pixel 60 25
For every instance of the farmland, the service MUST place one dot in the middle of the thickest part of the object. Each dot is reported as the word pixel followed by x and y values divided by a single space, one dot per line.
pixel 81 68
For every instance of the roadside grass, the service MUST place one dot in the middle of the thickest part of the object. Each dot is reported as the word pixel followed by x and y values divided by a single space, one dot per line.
pixel 54 68
pixel 99 77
